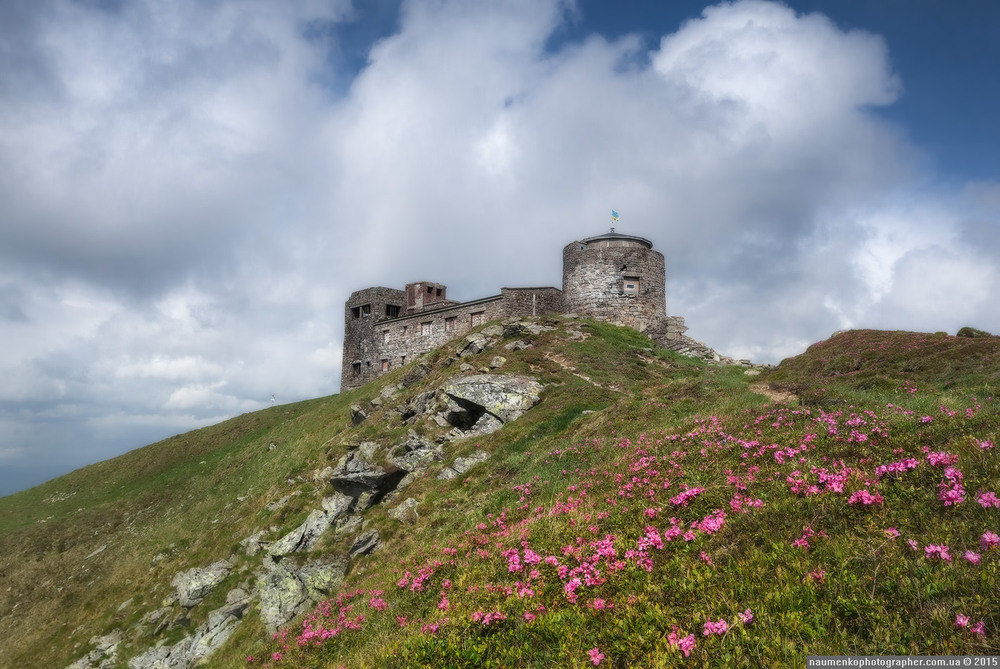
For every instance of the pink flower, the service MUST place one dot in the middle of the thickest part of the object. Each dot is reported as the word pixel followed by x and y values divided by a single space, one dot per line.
pixel 939 551
pixel 913 544
pixel 864 497
pixel 979 629
pixel 719 628
pixel 746 617
pixel 989 540
pixel 988 499
pixel 961 621
pixel 891 532
pixel 595 656
pixel 972 557
pixel 686 645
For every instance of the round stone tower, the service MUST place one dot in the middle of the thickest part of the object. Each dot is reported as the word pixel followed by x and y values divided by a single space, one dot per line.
pixel 617 278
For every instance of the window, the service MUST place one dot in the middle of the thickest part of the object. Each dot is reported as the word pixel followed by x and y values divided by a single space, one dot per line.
pixel 385 336
pixel 402 360
pixel 430 290
pixel 356 368
pixel 630 286
pixel 437 292
pixel 385 364
pixel 356 312
pixel 450 324
pixel 425 328
pixel 405 328
pixel 366 310
pixel 392 310
pixel 477 318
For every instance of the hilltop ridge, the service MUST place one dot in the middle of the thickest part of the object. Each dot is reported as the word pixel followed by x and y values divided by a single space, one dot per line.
pixel 624 505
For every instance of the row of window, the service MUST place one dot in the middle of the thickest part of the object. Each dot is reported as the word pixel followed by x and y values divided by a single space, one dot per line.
pixel 426 328
pixel 365 311
pixel 450 325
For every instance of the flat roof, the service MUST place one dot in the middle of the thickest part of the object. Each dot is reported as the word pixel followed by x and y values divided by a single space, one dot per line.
pixel 609 236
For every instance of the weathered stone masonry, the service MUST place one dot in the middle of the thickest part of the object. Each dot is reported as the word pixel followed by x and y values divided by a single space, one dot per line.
pixel 612 277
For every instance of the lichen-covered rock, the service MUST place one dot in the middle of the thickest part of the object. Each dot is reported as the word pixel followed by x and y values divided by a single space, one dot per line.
pixel 462 465
pixel 104 655
pixel 405 512
pixel 282 596
pixel 473 344
pixel 192 585
pixel 206 639
pixel 355 474
pixel 336 505
pixel 447 474
pixel 505 396
pixel 367 542
pixel 322 578
pixel 303 537
pixel 358 415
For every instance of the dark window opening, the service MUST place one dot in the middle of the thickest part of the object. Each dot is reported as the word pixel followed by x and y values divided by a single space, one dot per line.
pixel 429 290
pixel 438 292
pixel 392 310
pixel 366 310
pixel 402 360
pixel 356 312
pixel 630 285
pixel 356 368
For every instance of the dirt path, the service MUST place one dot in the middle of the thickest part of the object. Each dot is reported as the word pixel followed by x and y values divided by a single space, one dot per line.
pixel 780 396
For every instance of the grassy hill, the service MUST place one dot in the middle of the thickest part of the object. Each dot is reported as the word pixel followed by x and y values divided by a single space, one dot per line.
pixel 651 510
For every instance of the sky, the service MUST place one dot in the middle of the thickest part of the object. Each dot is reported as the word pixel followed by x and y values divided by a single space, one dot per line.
pixel 190 190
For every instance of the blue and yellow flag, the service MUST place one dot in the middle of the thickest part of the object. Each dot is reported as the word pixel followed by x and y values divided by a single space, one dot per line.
pixel 614 215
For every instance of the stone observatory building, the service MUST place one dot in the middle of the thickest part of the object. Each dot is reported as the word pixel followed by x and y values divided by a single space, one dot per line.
pixel 612 277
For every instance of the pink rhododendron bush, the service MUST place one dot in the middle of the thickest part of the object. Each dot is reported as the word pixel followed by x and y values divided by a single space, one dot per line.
pixel 748 537
pixel 691 522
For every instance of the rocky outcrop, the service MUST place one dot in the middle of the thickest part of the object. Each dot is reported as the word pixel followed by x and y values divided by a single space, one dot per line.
pixel 303 537
pixel 287 590
pixel 356 474
pixel 462 465
pixel 192 585
pixel 367 542
pixel 207 638
pixel 482 403
pixel 104 655
pixel 405 512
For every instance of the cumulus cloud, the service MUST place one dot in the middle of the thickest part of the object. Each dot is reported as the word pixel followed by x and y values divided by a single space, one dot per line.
pixel 186 201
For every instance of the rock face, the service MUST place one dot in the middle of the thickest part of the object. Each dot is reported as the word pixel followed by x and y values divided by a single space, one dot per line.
pixel 405 512
pixel 303 537
pixel 192 585
pixel 367 542
pixel 489 400
pixel 356 474
pixel 207 638
pixel 287 590
pixel 104 655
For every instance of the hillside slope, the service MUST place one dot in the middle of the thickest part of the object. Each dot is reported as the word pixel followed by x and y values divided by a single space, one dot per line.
pixel 649 511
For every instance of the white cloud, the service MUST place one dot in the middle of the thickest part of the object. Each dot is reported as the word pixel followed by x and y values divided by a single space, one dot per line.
pixel 185 208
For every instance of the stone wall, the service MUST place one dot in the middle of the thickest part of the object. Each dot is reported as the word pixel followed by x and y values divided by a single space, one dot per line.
pixel 597 278
pixel 531 301
pixel 377 345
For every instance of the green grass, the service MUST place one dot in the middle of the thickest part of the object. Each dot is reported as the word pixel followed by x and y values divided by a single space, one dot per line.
pixel 620 430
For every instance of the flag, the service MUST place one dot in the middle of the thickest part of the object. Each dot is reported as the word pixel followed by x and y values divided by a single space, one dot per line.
pixel 614 215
